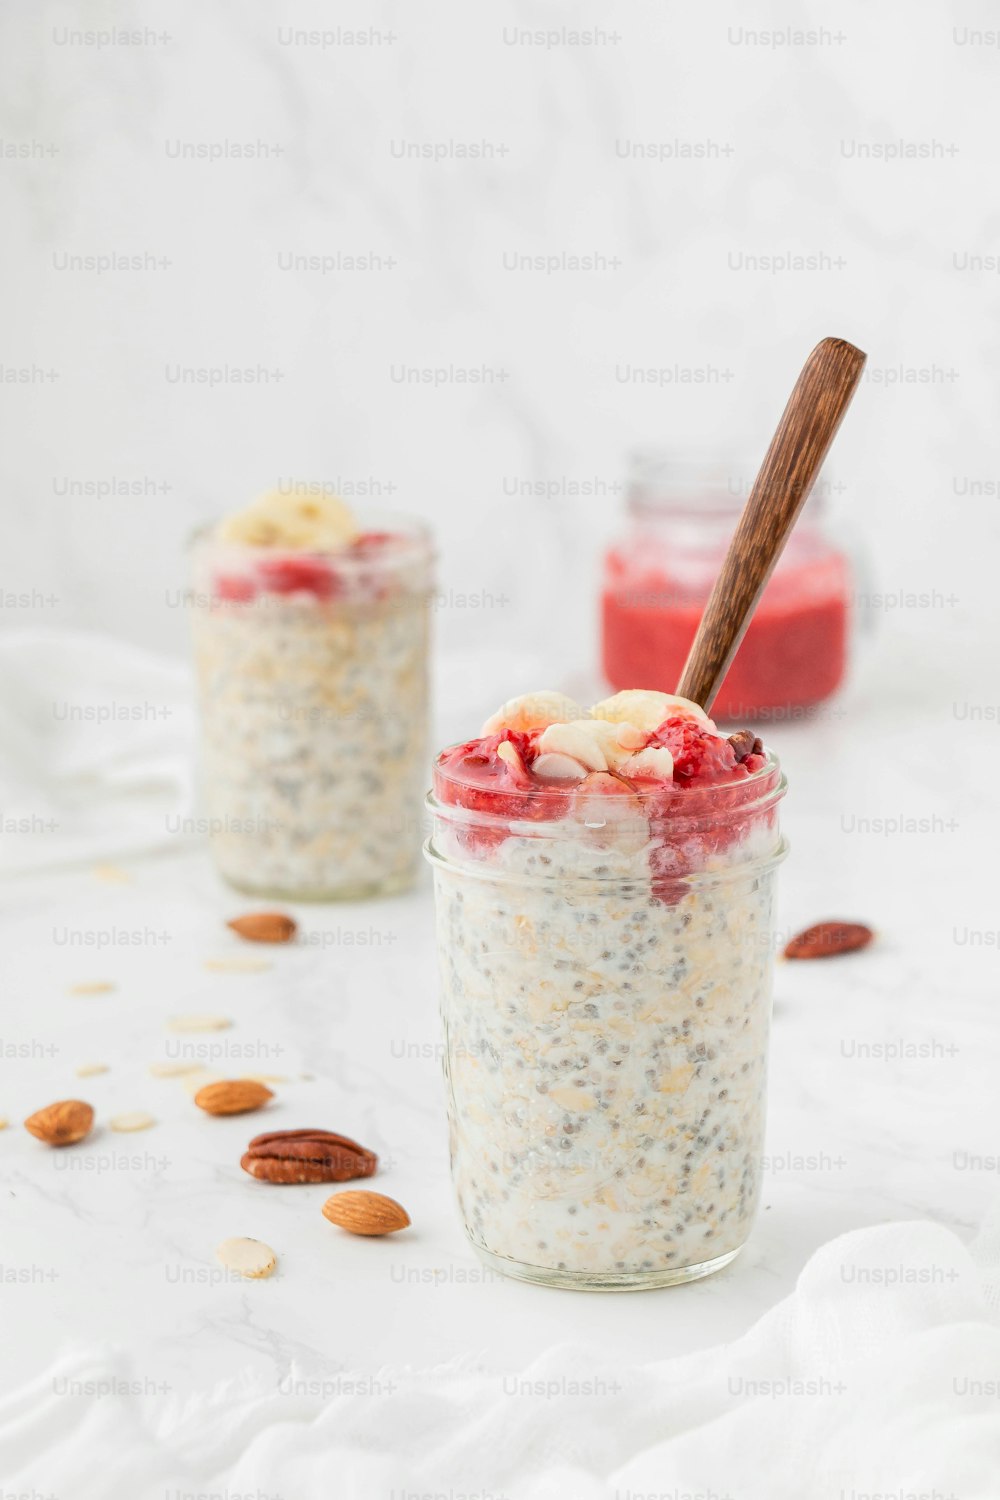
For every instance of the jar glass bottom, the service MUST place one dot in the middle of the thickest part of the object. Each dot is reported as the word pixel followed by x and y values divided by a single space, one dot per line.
pixel 604 1281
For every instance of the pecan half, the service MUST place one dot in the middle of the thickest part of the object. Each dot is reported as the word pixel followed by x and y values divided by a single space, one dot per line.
pixel 307 1156
pixel 826 939
pixel 744 743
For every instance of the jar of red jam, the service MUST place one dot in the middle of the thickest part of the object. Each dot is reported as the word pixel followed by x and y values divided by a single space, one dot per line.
pixel 658 576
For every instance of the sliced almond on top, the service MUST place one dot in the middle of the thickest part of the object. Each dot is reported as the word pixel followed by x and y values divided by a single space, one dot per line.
pixel 655 762
pixel 92 987
pixel 573 740
pixel 90 1070
pixel 174 1069
pixel 615 740
pixel 554 767
pixel 511 756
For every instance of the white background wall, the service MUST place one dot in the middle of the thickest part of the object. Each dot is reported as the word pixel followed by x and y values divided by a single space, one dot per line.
pixel 785 127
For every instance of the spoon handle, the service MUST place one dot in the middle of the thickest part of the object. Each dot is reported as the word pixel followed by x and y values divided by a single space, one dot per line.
pixel 808 426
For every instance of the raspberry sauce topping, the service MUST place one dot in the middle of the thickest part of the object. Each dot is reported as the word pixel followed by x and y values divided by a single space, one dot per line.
pixel 309 545
pixel 681 792
pixel 482 776
pixel 493 775
pixel 360 566
pixel 703 758
pixel 296 575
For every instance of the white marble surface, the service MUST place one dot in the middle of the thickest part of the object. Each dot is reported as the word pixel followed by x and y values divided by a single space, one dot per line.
pixel 882 1096
pixel 110 462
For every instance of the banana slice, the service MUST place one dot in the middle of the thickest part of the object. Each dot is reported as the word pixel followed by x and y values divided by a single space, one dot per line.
pixel 314 523
pixel 510 755
pixel 533 711
pixel 647 710
pixel 655 763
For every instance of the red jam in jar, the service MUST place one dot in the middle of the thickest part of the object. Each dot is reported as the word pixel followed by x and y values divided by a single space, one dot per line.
pixel 657 579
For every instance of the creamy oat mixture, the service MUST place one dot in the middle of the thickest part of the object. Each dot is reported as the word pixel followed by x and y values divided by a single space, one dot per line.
pixel 605 948
pixel 311 641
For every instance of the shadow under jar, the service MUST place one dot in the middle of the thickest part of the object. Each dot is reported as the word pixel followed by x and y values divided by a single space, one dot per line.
pixel 313 686
pixel 606 971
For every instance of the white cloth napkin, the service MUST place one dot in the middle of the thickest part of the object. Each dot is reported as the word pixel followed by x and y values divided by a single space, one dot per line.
pixel 878 1377
pixel 98 743
pixel 96 750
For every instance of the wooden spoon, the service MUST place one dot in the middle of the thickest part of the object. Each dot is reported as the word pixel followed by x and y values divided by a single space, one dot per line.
pixel 808 426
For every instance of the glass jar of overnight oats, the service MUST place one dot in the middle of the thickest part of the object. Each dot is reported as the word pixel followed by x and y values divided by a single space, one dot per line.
pixel 605 912
pixel 311 648
pixel 659 573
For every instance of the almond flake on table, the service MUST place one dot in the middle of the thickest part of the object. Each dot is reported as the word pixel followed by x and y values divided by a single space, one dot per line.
pixel 4 1122
pixel 92 987
pixel 199 1023
pixel 174 1069
pixel 196 1081
pixel 267 1077
pixel 90 1070
pixel 111 875
pixel 135 1119
pixel 238 965
pixel 247 1257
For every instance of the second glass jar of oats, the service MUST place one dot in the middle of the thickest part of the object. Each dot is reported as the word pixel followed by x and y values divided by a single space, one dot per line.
pixel 311 644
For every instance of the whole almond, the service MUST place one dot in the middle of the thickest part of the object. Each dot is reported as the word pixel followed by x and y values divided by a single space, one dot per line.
pixel 264 927
pixel 365 1213
pixel 288 1156
pixel 61 1124
pixel 232 1096
pixel 827 939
